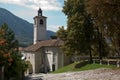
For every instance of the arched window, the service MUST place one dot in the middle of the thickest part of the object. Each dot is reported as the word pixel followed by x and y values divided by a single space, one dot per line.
pixel 41 21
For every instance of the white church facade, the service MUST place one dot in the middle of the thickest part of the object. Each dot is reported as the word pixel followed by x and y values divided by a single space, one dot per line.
pixel 44 55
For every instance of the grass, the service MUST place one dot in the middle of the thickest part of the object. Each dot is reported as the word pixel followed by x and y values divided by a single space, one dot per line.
pixel 80 66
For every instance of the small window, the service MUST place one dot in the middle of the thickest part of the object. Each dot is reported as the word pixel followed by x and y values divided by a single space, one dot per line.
pixel 41 21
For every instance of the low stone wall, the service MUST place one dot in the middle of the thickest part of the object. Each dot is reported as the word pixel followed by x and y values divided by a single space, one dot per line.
pixel 108 61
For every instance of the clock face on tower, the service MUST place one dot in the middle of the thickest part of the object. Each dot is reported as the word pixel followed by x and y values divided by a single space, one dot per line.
pixel 41 21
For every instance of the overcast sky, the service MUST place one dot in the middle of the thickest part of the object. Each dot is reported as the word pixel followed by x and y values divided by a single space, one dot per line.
pixel 27 9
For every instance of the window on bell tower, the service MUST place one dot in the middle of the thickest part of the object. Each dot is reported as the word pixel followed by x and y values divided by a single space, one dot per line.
pixel 41 21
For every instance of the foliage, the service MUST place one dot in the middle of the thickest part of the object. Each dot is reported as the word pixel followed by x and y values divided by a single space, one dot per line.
pixel 106 18
pixel 62 33
pixel 92 27
pixel 8 45
pixel 80 30
pixel 10 57
pixel 75 24
pixel 53 37
pixel 106 13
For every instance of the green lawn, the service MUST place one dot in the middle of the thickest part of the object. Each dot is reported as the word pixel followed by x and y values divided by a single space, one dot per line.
pixel 78 67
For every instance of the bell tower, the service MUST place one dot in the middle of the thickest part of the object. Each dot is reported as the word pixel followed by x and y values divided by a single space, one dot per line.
pixel 39 27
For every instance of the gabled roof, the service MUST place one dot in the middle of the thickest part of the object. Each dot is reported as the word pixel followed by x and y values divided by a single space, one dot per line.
pixel 38 45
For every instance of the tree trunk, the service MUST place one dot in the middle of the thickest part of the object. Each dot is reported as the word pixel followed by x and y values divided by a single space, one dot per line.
pixel 91 60
pixel 100 43
pixel 100 48
pixel 2 73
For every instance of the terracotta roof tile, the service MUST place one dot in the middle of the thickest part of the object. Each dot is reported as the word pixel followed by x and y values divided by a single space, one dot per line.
pixel 38 45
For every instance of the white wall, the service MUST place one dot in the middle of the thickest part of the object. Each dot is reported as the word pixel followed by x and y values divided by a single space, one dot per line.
pixel 58 56
pixel 43 58
pixel 38 61
pixel 30 57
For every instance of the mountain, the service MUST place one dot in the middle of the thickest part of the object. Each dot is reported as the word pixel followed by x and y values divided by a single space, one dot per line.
pixel 23 30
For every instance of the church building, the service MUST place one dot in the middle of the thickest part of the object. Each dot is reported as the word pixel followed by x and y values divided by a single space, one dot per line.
pixel 44 55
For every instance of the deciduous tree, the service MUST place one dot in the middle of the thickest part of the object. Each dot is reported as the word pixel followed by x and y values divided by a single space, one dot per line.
pixel 79 27
pixel 106 18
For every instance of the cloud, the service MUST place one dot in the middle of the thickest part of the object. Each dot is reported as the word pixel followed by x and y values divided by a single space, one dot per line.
pixel 55 27
pixel 35 4
pixel 26 14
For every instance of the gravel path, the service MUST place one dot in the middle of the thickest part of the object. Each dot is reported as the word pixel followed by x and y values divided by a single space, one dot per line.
pixel 98 74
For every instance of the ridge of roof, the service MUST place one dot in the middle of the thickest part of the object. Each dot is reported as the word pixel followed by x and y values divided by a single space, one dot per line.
pixel 38 45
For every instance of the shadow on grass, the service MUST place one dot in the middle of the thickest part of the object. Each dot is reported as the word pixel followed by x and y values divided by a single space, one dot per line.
pixel 81 64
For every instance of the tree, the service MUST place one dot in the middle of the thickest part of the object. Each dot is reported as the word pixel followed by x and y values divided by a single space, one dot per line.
pixel 74 11
pixel 10 58
pixel 80 28
pixel 62 33
pixel 106 18
pixel 106 13
pixel 89 33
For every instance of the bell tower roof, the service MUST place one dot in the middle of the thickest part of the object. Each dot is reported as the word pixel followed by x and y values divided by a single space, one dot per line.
pixel 39 12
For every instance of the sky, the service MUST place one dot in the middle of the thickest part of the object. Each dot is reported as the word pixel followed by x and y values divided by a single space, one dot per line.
pixel 27 9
